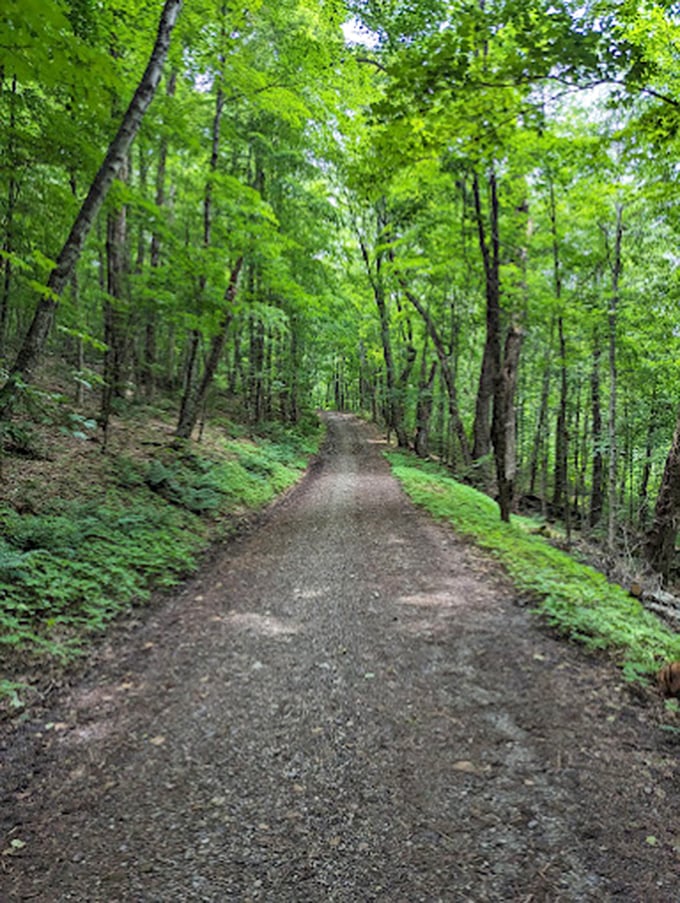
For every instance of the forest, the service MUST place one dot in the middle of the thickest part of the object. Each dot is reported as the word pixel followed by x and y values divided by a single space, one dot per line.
pixel 457 218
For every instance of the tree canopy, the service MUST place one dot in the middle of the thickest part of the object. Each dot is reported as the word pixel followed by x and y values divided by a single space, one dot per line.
pixel 459 218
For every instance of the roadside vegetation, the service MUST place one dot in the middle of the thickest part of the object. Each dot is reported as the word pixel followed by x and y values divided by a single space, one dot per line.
pixel 573 597
pixel 77 554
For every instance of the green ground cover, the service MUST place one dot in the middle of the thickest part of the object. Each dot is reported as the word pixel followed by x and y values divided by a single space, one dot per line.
pixel 572 597
pixel 71 567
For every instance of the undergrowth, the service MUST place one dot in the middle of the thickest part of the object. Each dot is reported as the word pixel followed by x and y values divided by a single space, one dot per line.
pixel 70 568
pixel 573 597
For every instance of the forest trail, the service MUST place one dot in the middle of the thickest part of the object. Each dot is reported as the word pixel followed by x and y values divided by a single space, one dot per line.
pixel 346 706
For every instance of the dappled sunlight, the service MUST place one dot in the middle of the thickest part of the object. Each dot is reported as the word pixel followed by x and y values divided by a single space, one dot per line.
pixel 428 599
pixel 265 625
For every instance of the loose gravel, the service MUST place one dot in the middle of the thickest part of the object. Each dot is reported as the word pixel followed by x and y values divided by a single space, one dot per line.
pixel 347 705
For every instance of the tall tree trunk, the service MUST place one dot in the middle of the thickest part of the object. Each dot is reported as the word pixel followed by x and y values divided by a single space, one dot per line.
pixel 616 267
pixel 192 381
pixel 643 512
pixel 481 428
pixel 8 239
pixel 560 494
pixel 542 419
pixel 597 477
pixel 560 500
pixel 116 288
pixel 445 370
pixel 511 355
pixel 294 382
pixel 150 341
pixel 424 403
pixel 197 395
pixel 400 397
pixel 375 277
pixel 490 250
pixel 660 539
pixel 36 338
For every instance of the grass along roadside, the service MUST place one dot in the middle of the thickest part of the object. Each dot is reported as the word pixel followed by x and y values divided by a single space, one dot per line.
pixel 72 562
pixel 573 597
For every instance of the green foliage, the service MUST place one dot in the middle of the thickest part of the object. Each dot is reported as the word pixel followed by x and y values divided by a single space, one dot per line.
pixel 574 598
pixel 70 570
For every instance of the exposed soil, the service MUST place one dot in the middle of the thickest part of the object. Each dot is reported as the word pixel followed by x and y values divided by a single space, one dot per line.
pixel 347 705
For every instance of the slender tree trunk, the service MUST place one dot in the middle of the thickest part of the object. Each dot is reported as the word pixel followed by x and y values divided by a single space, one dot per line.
pixel 191 381
pixel 36 338
pixel 424 403
pixel 196 397
pixel 150 339
pixel 560 500
pixel 400 397
pixel 513 347
pixel 542 421
pixel 560 493
pixel 294 382
pixel 481 429
pixel 116 287
pixel 616 266
pixel 8 240
pixel 643 512
pixel 660 539
pixel 490 250
pixel 597 478
pixel 445 370
pixel 375 277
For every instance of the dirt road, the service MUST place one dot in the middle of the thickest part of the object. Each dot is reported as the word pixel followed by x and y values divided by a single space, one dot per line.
pixel 346 706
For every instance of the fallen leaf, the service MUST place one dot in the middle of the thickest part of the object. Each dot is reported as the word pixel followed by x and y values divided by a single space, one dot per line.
pixel 651 840
pixel 157 741
pixel 15 846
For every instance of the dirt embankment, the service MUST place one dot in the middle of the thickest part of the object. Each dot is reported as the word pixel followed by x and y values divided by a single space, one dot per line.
pixel 346 706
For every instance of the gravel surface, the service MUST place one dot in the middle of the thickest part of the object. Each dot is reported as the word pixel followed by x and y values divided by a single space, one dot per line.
pixel 347 705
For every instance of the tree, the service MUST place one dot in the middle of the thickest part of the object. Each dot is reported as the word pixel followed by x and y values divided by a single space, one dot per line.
pixel 41 325
pixel 661 536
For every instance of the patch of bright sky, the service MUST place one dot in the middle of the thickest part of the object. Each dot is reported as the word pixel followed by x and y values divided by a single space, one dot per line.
pixel 355 32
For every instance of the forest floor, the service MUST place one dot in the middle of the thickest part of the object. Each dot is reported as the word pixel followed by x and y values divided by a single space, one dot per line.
pixel 344 705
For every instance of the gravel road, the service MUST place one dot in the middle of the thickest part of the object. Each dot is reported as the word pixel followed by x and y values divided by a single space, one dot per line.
pixel 346 705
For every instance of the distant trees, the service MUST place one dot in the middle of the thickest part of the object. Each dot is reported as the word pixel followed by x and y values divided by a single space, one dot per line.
pixel 426 228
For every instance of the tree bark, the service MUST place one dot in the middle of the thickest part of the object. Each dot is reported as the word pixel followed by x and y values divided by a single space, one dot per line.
pixel 597 475
pixel 542 419
pixel 424 407
pixel 616 267
pixel 560 495
pixel 8 240
pixel 38 333
pixel 116 288
pixel 375 277
pixel 196 395
pixel 660 539
pixel 643 512
pixel 445 370
pixel 490 250
pixel 481 429
pixel 150 343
